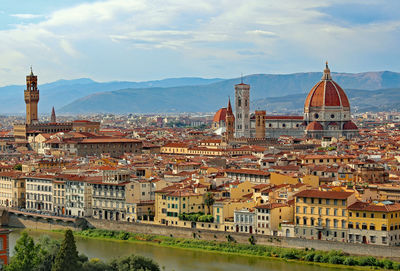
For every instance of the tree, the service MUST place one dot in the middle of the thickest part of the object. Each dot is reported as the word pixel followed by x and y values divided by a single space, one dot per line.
pixel 134 263
pixel 25 255
pixel 48 249
pixel 95 265
pixel 67 258
pixel 209 200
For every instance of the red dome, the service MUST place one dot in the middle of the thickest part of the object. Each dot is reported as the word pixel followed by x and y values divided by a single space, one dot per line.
pixel 314 126
pixel 220 115
pixel 350 126
pixel 326 93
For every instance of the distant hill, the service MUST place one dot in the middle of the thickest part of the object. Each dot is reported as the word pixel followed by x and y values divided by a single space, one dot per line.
pixel 286 92
pixel 360 101
pixel 62 92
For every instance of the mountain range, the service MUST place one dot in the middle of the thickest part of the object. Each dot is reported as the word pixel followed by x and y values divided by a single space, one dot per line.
pixel 281 93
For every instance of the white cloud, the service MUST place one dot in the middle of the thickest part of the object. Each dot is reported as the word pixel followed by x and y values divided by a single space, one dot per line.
pixel 220 32
pixel 27 16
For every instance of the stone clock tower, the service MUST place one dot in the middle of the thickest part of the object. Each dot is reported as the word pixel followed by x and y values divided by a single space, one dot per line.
pixel 31 98
pixel 242 108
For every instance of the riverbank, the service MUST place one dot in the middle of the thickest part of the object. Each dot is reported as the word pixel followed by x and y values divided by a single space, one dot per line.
pixel 327 259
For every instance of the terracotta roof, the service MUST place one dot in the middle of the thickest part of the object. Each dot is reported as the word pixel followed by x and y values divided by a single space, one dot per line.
pixel 220 115
pixel 324 194
pixel 248 171
pixel 365 206
pixel 271 206
pixel 350 126
pixel 108 140
pixel 314 126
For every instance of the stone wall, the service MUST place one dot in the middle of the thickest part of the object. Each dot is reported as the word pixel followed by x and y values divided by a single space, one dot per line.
pixel 38 223
pixel 357 249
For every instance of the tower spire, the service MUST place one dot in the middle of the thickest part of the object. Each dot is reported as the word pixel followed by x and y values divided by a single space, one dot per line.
pixel 327 72
pixel 53 118
pixel 229 109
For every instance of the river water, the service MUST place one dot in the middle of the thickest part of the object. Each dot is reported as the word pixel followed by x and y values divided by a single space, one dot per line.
pixel 174 258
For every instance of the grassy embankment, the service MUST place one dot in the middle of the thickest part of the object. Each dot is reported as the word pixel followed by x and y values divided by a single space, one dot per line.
pixel 336 258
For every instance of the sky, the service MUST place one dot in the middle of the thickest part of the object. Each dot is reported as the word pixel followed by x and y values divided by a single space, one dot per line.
pixel 139 40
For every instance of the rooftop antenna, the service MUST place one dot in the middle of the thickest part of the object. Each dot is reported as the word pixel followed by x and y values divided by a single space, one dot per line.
pixel 31 70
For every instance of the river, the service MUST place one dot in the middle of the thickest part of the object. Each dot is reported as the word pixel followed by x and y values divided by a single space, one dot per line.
pixel 174 258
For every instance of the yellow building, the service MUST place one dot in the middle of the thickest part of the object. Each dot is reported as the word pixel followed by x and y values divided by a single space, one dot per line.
pixel 174 148
pixel 278 179
pixel 172 201
pixel 12 189
pixel 269 217
pixel 224 209
pixel 238 190
pixel 374 223
pixel 322 214
pixel 326 159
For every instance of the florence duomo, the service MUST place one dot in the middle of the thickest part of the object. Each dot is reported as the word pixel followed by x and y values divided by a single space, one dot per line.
pixel 326 114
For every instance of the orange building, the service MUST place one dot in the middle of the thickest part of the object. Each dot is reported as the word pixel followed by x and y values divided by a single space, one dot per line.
pixel 4 253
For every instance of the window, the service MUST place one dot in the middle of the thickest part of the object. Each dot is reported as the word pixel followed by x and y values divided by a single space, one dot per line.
pixel 372 227
pixel 319 201
pixel 327 211
pixel 364 226
pixel 335 202
pixel 350 226
pixel 327 201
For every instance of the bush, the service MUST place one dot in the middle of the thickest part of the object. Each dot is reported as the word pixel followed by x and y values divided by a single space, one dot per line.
pixel 368 261
pixel 318 258
pixel 351 261
pixel 335 259
pixel 309 257
pixel 387 264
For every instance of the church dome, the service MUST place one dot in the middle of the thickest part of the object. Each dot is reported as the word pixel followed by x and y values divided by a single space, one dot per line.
pixel 220 115
pixel 326 93
pixel 314 126
pixel 350 126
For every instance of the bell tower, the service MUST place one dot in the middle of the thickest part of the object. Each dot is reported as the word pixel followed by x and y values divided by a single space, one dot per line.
pixel 242 108
pixel 31 95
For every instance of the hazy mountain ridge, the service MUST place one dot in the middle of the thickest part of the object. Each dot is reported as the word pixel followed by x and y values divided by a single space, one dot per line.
pixel 62 92
pixel 192 94
pixel 290 88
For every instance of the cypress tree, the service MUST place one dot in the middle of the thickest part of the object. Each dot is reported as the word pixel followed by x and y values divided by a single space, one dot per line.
pixel 67 257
